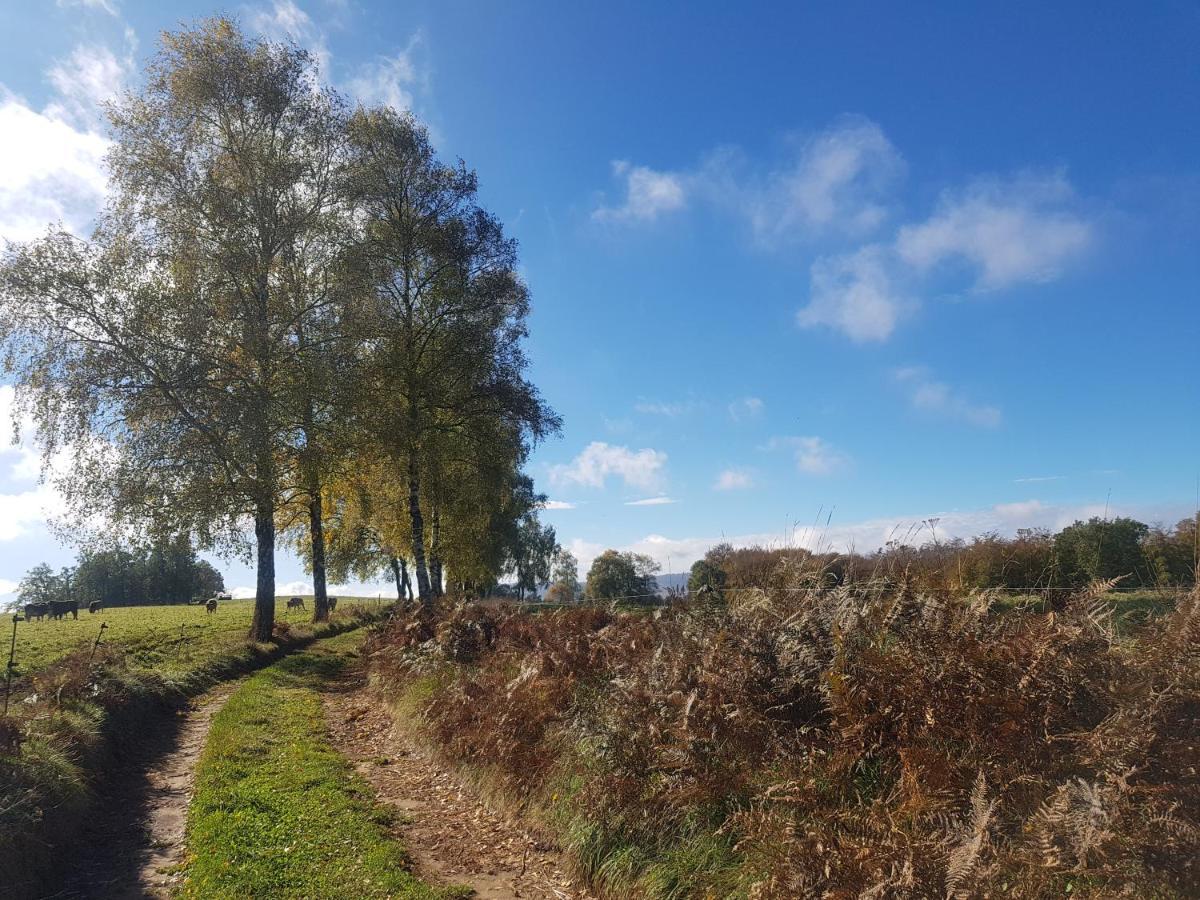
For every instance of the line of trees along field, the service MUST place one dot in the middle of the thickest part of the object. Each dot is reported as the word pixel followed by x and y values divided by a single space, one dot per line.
pixel 291 314
pixel 168 572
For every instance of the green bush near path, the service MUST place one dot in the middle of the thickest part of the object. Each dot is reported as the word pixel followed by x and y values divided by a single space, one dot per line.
pixel 277 811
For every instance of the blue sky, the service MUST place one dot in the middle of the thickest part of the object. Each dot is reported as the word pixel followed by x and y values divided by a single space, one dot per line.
pixel 841 262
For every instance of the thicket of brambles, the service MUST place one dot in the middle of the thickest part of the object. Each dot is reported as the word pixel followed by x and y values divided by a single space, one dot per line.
pixel 166 572
pixel 292 320
pixel 805 739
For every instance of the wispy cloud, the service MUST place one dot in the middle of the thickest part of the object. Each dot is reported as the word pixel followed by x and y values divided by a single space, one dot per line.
pixel 651 501
pixel 928 395
pixel 600 461
pixel 1033 479
pixel 733 480
pixel 838 182
pixel 394 81
pixel 284 20
pixel 746 408
pixel 557 504
pixel 670 410
pixel 813 455
pixel 648 194
pixel 107 6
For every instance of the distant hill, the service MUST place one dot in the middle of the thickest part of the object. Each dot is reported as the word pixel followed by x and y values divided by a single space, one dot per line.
pixel 669 580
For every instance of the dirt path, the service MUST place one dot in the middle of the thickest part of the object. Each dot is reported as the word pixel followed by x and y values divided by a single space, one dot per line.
pixel 451 835
pixel 130 851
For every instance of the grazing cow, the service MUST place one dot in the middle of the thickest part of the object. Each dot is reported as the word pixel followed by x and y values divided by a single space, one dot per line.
pixel 59 608
pixel 296 603
pixel 211 605
pixel 95 606
pixel 332 603
pixel 36 611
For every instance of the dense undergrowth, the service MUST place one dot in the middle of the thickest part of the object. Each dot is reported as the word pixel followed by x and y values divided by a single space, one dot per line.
pixel 277 811
pixel 848 742
pixel 81 717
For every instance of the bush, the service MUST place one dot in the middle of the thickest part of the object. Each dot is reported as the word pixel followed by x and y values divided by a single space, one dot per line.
pixel 830 741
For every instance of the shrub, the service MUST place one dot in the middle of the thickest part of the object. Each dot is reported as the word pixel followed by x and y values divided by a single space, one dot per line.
pixel 847 741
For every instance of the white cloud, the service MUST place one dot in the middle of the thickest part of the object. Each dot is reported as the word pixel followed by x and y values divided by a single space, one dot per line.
pixel 639 469
pixel 88 78
pixel 107 6
pixel 8 588
pixel 1031 479
pixel 648 195
pixel 1011 231
pixel 392 81
pixel 651 501
pixel 733 480
pixel 855 294
pixel 53 172
pixel 557 504
pixel 814 455
pixel 835 184
pixel 746 408
pixel 927 394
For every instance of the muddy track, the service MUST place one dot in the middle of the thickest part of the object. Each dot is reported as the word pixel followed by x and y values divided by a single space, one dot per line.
pixel 452 837
pixel 133 847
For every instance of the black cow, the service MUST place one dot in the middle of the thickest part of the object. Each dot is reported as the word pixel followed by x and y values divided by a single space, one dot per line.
pixel 59 608
pixel 95 606
pixel 332 603
pixel 36 611
pixel 211 605
pixel 296 603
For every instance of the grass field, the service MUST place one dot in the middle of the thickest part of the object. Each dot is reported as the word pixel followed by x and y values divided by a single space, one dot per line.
pixel 277 811
pixel 172 640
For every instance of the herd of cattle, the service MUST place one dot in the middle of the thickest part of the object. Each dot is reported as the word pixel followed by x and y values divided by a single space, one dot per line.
pixel 60 609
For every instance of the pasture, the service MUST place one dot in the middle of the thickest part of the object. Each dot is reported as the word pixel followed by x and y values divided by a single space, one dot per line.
pixel 173 640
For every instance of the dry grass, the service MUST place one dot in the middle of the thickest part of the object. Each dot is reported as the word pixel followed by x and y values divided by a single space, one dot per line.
pixel 834 743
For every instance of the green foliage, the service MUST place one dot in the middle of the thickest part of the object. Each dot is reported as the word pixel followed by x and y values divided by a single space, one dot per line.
pixel 277 811
pixel 707 578
pixel 628 576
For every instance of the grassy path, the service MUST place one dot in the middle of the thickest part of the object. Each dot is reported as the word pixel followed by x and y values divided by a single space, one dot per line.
pixel 277 811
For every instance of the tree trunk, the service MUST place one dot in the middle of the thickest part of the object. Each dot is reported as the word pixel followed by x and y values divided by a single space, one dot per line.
pixel 435 553
pixel 316 531
pixel 395 563
pixel 418 532
pixel 264 599
pixel 407 593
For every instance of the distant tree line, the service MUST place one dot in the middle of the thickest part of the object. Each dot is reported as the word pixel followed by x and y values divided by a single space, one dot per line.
pixel 292 322
pixel 1142 556
pixel 168 572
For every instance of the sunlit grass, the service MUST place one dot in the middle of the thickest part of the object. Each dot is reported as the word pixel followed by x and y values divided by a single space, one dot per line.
pixel 171 640
pixel 277 811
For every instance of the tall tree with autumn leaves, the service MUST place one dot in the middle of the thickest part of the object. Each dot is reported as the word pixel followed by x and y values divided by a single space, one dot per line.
pixel 278 289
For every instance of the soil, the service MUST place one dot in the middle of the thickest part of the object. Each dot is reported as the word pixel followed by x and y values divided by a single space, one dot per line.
pixel 452 836
pixel 134 848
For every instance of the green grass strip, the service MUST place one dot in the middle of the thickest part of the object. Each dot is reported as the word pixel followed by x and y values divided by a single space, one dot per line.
pixel 277 811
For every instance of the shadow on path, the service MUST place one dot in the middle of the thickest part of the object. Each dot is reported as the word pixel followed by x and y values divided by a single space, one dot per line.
pixel 130 848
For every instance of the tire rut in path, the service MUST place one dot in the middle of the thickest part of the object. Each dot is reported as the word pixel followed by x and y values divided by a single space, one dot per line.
pixel 450 834
pixel 132 848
